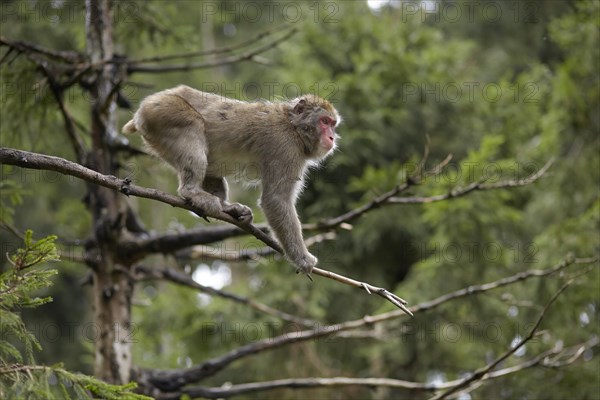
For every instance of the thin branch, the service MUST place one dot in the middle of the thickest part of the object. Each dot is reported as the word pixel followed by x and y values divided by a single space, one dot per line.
pixel 12 229
pixel 378 201
pixel 389 296
pixel 31 160
pixel 236 390
pixel 475 186
pixel 300 383
pixel 68 120
pixel 7 54
pixel 342 221
pixel 203 252
pixel 172 380
pixel 245 56
pixel 70 57
pixel 390 197
pixel 180 278
pixel 480 373
pixel 217 51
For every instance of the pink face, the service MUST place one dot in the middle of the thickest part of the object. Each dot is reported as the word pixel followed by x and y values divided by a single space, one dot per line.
pixel 327 129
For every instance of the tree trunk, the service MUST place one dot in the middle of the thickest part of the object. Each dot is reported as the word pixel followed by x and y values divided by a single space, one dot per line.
pixel 112 289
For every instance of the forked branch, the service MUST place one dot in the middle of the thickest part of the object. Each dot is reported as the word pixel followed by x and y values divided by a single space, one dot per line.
pixel 570 354
pixel 391 197
pixel 479 374
pixel 232 59
pixel 174 380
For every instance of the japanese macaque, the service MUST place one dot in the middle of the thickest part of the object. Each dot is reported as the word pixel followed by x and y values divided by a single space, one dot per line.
pixel 205 136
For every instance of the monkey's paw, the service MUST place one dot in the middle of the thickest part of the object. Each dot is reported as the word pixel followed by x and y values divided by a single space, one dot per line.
pixel 306 263
pixel 240 212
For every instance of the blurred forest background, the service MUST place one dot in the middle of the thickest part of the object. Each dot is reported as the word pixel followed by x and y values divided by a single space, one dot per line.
pixel 503 86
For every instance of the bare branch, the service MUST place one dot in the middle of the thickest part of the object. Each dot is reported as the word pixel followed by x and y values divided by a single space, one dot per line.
pixel 480 373
pixel 475 186
pixel 211 253
pixel 174 379
pixel 12 229
pixel 70 57
pixel 218 51
pixel 202 252
pixel 27 159
pixel 342 221
pixel 390 197
pixel 31 160
pixel 235 390
pixel 68 120
pixel 183 279
pixel 389 296
pixel 170 242
pixel 245 56
pixel 377 202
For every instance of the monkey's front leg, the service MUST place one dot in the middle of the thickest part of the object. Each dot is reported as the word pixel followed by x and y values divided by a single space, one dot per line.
pixel 278 206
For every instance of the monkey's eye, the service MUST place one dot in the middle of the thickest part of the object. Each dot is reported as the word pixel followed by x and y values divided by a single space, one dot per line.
pixel 328 121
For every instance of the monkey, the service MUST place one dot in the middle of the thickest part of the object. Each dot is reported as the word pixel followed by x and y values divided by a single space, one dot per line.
pixel 205 136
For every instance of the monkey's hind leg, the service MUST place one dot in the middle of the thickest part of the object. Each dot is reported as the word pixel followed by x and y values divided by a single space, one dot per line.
pixel 218 187
pixel 184 148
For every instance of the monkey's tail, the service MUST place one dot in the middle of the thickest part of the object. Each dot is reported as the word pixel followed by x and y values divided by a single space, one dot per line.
pixel 130 127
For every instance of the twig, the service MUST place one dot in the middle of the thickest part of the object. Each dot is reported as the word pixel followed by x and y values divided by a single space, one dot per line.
pixel 217 51
pixel 390 197
pixel 12 229
pixel 391 297
pixel 68 121
pixel 69 57
pixel 480 373
pixel 132 68
pixel 521 276
pixel 475 186
pixel 378 201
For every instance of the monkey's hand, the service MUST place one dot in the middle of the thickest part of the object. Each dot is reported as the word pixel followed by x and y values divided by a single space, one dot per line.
pixel 306 263
pixel 239 211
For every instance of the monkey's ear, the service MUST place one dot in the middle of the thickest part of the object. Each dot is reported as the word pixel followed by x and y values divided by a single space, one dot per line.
pixel 299 107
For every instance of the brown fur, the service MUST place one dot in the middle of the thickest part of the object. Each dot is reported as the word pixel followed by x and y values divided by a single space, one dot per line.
pixel 206 137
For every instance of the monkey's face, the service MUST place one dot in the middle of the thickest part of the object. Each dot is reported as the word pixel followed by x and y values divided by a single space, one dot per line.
pixel 327 136
pixel 316 120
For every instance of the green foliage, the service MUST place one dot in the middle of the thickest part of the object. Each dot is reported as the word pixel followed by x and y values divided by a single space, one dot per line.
pixel 16 287
pixel 393 75
pixel 20 377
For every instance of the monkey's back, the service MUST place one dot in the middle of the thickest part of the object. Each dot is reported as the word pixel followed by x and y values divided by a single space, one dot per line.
pixel 236 130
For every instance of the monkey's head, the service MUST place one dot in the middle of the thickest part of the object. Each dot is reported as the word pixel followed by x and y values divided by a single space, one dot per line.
pixel 315 119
